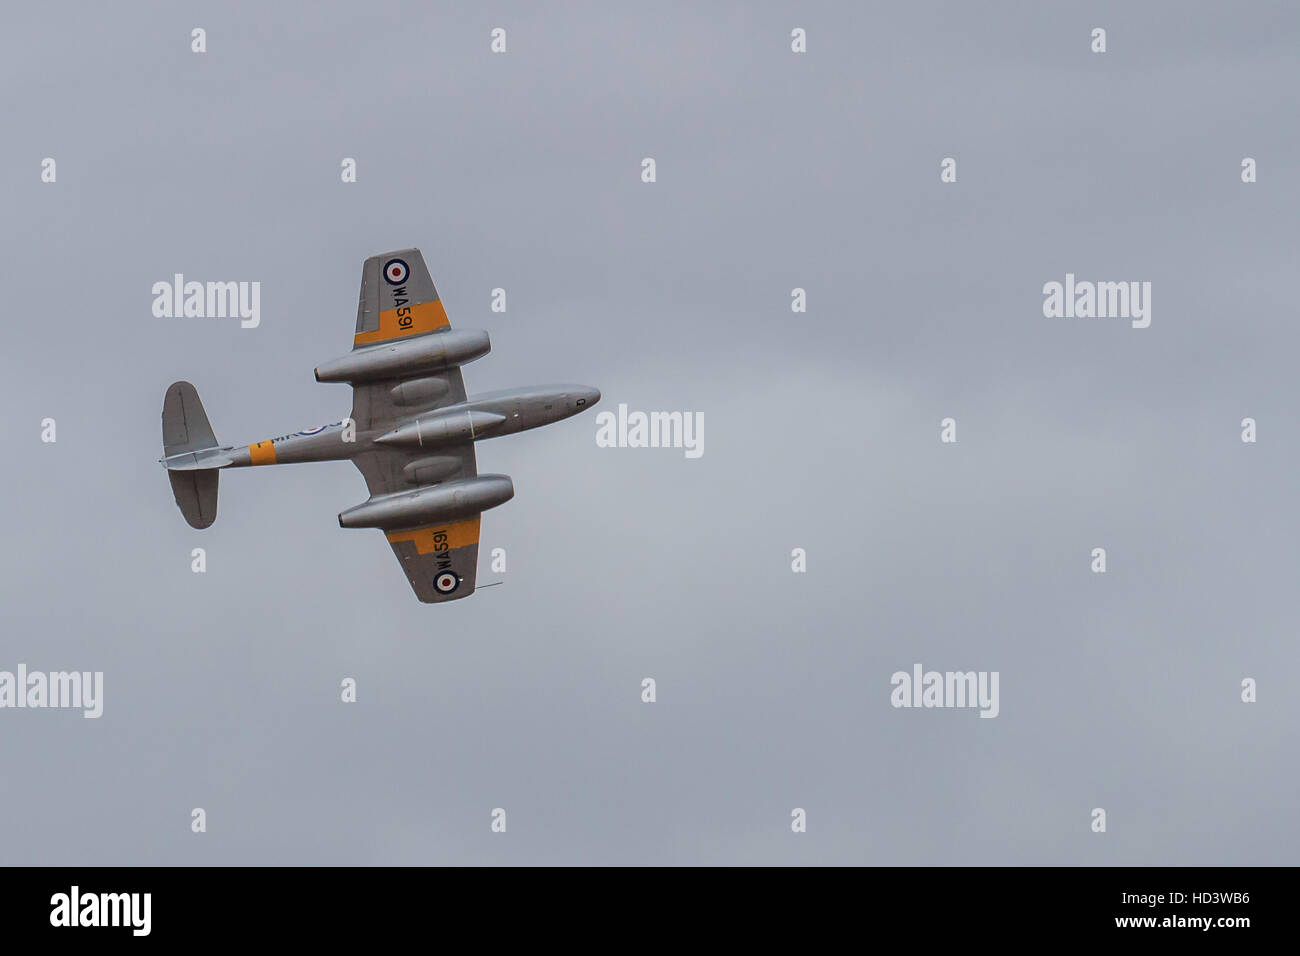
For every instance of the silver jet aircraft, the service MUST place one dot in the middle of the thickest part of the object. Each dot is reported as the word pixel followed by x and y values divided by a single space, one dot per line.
pixel 411 433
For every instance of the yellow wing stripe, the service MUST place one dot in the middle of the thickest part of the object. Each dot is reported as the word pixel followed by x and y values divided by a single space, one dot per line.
pixel 263 453
pixel 408 320
pixel 458 534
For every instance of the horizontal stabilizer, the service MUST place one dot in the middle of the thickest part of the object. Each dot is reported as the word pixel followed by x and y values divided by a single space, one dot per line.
pixel 184 423
pixel 196 495
pixel 191 455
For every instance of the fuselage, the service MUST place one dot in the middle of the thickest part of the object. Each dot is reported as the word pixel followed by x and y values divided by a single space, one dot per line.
pixel 490 415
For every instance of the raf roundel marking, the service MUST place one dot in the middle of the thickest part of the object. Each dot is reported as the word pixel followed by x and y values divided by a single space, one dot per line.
pixel 395 271
pixel 446 582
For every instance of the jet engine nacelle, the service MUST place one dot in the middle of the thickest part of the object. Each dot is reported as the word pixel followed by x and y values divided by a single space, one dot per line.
pixel 404 357
pixel 431 505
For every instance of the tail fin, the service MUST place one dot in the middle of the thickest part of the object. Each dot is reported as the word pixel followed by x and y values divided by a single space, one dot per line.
pixel 185 431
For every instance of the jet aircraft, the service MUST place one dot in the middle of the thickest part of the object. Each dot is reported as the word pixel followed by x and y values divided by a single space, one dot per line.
pixel 411 433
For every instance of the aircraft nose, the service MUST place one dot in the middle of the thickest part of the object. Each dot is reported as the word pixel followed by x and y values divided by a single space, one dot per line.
pixel 592 395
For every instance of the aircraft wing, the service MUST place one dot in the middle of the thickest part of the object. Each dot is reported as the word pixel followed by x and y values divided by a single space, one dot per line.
pixel 398 300
pixel 440 561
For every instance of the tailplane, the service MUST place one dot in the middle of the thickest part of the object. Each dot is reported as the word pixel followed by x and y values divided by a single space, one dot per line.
pixel 196 495
pixel 185 425
pixel 191 455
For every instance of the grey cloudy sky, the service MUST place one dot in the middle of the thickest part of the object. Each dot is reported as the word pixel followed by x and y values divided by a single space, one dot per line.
pixel 775 170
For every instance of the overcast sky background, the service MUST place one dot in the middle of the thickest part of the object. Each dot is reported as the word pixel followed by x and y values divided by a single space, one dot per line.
pixel 775 170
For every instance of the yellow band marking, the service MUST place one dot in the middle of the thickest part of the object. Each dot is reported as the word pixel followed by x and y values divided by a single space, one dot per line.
pixel 458 534
pixel 408 320
pixel 263 453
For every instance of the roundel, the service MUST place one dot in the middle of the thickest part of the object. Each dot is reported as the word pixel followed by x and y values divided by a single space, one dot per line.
pixel 446 582
pixel 396 271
